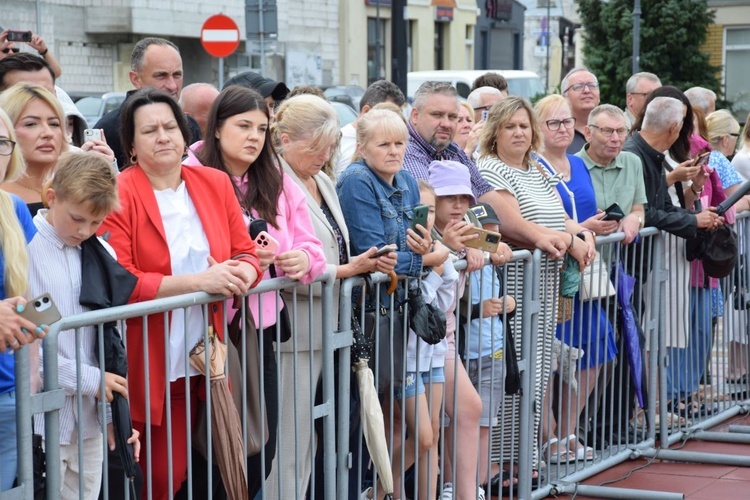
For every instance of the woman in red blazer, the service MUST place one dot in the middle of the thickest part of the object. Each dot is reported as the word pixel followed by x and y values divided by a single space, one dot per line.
pixel 180 230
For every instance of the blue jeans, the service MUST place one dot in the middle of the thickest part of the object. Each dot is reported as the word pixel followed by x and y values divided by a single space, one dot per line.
pixel 8 455
pixel 686 365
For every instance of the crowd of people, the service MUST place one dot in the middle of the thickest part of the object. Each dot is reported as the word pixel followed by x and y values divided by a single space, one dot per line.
pixel 183 181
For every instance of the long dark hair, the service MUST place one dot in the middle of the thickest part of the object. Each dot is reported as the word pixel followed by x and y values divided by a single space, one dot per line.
pixel 680 150
pixel 264 176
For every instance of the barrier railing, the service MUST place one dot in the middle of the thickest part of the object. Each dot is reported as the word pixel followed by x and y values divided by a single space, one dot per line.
pixel 590 395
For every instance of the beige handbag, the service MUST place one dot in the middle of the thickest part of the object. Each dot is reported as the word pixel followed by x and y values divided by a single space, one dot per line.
pixel 595 282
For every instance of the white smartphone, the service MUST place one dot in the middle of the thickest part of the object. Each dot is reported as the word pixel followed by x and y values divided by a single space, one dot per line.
pixel 266 242
pixel 485 114
pixel 92 134
pixel 385 249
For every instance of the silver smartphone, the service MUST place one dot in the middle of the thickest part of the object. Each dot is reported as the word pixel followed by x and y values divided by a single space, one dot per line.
pixel 92 134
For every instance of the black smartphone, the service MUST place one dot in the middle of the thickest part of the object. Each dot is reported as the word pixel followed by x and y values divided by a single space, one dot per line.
pixel 701 159
pixel 19 36
pixel 420 217
pixel 257 226
pixel 613 212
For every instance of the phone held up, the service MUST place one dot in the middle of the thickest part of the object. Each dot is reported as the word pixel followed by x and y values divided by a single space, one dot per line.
pixel 420 217
pixel 19 36
pixel 41 311
pixel 92 134
pixel 486 241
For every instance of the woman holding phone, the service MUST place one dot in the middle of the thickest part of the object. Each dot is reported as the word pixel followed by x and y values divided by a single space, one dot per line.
pixel 238 143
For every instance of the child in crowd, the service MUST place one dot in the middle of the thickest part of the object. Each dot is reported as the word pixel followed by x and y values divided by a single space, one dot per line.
pixel 485 342
pixel 421 395
pixel 80 195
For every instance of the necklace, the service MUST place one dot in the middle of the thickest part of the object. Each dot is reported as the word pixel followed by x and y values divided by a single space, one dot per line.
pixel 28 187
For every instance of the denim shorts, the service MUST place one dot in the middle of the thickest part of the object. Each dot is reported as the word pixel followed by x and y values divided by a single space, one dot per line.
pixel 414 384
pixel 489 381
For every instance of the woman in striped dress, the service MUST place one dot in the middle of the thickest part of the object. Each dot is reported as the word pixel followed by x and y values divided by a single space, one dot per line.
pixel 510 133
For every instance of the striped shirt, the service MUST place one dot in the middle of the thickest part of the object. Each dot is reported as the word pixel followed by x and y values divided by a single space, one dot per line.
pixel 535 192
pixel 55 268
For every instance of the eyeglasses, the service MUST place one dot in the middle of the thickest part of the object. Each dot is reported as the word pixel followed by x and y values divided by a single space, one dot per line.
pixel 580 86
pixel 555 124
pixel 11 49
pixel 607 132
pixel 6 147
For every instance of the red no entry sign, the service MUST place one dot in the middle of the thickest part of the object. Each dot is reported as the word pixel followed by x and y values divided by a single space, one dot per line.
pixel 220 35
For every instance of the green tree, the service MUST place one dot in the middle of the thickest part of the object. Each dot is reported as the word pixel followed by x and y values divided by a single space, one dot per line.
pixel 672 32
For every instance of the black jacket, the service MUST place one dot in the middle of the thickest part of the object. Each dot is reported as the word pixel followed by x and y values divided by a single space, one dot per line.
pixel 111 125
pixel 660 212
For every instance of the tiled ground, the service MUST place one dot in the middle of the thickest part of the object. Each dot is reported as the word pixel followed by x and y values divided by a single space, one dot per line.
pixel 695 481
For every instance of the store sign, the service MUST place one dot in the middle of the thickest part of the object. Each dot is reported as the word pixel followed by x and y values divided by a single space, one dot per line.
pixel 443 14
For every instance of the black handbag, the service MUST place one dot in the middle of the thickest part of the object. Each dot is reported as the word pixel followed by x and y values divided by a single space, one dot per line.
pixel 512 373
pixel 426 320
pixel 387 356
pixel 39 463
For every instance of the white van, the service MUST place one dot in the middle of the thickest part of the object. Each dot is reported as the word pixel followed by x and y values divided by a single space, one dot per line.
pixel 521 83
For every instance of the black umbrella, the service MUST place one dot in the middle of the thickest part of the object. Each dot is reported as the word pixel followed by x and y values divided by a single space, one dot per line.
pixel 105 283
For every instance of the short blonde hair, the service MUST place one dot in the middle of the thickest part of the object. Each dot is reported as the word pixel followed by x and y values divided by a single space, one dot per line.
pixel 12 237
pixel 719 124
pixel 500 114
pixel 306 116
pixel 549 104
pixel 86 179
pixel 467 107
pixel 389 106
pixel 15 99
pixel 379 121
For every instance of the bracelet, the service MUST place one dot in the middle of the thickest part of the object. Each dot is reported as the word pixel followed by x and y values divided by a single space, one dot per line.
pixel 46 49
pixel 697 193
pixel 572 240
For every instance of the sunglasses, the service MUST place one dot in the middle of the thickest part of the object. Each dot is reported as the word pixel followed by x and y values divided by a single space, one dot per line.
pixel 8 50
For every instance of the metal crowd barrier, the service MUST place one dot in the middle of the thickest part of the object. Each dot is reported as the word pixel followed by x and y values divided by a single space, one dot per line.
pixel 684 388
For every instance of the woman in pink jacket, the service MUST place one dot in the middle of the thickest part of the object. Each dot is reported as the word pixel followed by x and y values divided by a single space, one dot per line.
pixel 238 143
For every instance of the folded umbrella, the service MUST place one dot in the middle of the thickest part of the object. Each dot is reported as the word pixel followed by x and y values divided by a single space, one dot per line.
pixel 105 283
pixel 625 286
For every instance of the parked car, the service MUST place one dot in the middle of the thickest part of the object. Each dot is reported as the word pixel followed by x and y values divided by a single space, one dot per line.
pixel 348 94
pixel 346 114
pixel 94 107
pixel 521 83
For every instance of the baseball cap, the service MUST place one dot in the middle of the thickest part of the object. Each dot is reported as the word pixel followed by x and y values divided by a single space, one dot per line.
pixel 450 178
pixel 265 86
pixel 485 214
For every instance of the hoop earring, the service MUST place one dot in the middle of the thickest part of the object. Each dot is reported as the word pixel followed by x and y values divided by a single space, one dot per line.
pixel 133 159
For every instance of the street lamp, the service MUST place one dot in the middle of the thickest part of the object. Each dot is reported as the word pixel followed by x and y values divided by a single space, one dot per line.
pixel 636 35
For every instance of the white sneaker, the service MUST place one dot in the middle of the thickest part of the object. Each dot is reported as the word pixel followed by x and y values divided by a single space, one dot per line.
pixel 447 493
pixel 480 493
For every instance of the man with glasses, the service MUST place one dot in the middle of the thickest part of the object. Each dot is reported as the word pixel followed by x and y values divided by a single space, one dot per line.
pixel 662 123
pixel 639 86
pixel 482 99
pixel 617 176
pixel 581 88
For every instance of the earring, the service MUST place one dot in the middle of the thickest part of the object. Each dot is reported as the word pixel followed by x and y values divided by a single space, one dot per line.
pixel 133 159
pixel 494 147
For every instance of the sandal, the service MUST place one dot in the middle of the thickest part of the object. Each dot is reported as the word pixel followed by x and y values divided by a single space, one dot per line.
pixel 583 453
pixel 500 484
pixel 562 455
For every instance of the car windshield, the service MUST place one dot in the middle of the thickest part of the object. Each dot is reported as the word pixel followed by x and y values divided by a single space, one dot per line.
pixel 89 106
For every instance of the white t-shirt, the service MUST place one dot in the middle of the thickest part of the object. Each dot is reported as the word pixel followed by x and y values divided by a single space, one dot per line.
pixel 347 147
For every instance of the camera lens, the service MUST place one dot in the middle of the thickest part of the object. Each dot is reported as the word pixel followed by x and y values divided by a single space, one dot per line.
pixel 38 304
pixel 492 238
pixel 45 300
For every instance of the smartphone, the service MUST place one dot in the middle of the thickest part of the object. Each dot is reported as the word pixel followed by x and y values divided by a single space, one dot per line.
pixel 92 134
pixel 701 159
pixel 41 311
pixel 266 242
pixel 485 114
pixel 19 36
pixel 487 241
pixel 420 217
pixel 385 249
pixel 613 212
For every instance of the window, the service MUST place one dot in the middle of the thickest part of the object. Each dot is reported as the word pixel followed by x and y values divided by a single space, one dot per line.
pixel 737 70
pixel 375 50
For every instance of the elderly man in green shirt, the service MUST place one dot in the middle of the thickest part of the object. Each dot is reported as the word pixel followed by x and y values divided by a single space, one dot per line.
pixel 617 175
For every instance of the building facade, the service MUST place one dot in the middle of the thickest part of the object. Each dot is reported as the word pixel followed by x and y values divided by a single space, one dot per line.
pixel 499 40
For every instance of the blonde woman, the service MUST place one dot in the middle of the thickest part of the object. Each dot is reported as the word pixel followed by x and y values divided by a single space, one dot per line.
pixel 39 123
pixel 16 230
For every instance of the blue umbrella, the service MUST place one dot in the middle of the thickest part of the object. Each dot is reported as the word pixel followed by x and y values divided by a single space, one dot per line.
pixel 632 343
